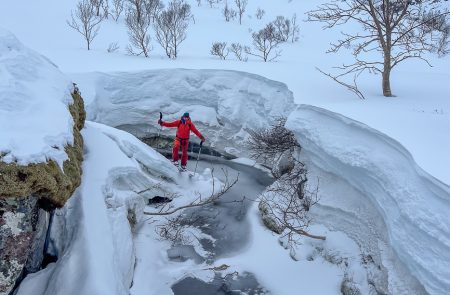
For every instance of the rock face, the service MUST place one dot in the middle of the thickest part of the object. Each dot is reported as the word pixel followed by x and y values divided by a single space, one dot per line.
pixel 46 180
pixel 41 152
pixel 24 191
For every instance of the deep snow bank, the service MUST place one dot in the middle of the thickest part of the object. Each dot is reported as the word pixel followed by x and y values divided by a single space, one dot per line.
pixel 372 189
pixel 32 90
pixel 223 104
pixel 92 234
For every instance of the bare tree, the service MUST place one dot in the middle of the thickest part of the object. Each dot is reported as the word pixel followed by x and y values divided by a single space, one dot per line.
pixel 266 42
pixel 295 29
pixel 138 24
pixel 118 7
pixel 238 51
pixel 241 5
pixel 85 21
pixel 171 26
pixel 283 27
pixel 228 13
pixel 398 29
pixel 260 13
pixel 199 3
pixel 220 49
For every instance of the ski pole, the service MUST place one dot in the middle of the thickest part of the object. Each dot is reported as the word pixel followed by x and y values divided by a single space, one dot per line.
pixel 160 130
pixel 198 157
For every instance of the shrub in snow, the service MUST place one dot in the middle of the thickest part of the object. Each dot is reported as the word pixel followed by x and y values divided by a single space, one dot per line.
pixel 260 13
pixel 138 24
pixel 228 13
pixel 238 51
pixel 113 47
pixel 219 49
pixel 171 26
pixel 85 21
pixel 265 43
pixel 285 205
pixel 212 2
pixel 398 30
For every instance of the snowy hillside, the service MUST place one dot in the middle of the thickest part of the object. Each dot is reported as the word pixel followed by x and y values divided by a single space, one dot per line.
pixel 418 118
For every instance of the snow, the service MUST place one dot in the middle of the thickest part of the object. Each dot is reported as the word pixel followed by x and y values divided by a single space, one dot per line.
pixel 222 104
pixel 381 178
pixel 32 90
pixel 384 183
pixel 92 236
pixel 419 117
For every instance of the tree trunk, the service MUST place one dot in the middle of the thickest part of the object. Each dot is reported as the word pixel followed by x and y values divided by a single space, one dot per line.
pixel 387 76
pixel 387 83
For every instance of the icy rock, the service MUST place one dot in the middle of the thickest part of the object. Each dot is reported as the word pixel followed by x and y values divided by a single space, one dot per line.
pixel 23 228
pixel 348 287
pixel 268 221
pixel 284 164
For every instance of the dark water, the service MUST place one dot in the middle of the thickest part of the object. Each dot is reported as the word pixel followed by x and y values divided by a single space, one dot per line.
pixel 226 223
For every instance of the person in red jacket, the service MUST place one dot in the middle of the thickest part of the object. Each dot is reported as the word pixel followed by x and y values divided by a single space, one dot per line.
pixel 184 127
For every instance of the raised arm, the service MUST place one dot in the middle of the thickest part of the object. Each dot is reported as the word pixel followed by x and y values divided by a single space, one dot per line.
pixel 170 124
pixel 196 132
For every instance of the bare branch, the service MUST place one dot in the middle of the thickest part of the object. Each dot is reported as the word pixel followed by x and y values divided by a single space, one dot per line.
pixel 85 21
pixel 200 201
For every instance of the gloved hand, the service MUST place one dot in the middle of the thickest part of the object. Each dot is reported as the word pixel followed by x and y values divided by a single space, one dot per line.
pixel 202 139
pixel 160 122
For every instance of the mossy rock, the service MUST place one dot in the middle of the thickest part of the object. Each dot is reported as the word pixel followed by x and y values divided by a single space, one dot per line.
pixel 47 181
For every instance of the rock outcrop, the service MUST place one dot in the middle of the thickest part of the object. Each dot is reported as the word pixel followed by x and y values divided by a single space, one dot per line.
pixel 41 154
pixel 27 194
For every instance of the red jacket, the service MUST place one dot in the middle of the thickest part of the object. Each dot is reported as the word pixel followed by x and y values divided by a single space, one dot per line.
pixel 183 129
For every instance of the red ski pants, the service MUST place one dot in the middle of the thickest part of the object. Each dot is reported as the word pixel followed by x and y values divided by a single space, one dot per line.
pixel 184 143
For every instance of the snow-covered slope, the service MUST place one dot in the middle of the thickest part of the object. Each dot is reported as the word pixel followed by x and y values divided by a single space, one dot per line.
pixel 419 118
pixel 223 104
pixel 373 190
pixel 32 90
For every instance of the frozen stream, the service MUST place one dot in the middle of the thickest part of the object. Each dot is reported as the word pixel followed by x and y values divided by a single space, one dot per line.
pixel 227 233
